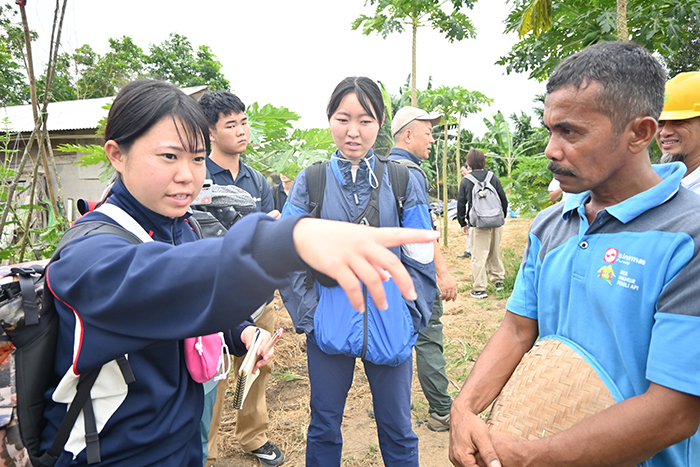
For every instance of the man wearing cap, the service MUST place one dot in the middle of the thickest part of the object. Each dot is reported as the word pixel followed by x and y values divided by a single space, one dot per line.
pixel 678 135
pixel 412 129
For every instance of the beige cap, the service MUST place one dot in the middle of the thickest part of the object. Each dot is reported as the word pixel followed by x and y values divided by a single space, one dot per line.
pixel 407 114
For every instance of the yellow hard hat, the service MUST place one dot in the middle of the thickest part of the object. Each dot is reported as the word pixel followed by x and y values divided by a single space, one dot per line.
pixel 682 99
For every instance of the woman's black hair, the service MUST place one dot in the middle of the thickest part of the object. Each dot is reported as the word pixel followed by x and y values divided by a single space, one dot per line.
pixel 143 103
pixel 367 92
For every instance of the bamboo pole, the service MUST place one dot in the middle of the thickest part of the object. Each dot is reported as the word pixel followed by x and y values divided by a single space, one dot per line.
pixel 444 187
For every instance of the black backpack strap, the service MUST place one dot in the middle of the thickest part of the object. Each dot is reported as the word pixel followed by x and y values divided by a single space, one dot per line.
pixel 398 175
pixel 82 401
pixel 315 176
pixel 87 380
pixel 26 286
pixel 315 186
pixel 196 226
pixel 92 438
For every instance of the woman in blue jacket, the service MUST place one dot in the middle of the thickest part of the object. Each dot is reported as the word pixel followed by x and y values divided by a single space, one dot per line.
pixel 382 336
pixel 115 297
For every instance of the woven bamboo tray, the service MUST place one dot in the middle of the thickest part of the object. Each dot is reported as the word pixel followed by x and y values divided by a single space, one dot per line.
pixel 552 389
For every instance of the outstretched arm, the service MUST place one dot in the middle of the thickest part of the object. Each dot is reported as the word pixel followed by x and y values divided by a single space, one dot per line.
pixel 350 253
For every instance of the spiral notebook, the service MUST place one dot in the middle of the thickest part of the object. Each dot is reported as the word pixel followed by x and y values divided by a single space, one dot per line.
pixel 245 374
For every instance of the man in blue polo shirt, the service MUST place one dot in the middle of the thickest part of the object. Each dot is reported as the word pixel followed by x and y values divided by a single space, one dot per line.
pixel 229 134
pixel 613 269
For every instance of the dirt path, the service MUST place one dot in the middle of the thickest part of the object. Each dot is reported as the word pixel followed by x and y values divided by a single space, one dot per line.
pixel 468 324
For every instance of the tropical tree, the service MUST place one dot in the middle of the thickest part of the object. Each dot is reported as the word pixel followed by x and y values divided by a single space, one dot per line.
pixel 502 144
pixel 395 15
pixel 452 103
pixel 13 83
pixel 552 30
pixel 174 60
pixel 103 76
pixel 687 57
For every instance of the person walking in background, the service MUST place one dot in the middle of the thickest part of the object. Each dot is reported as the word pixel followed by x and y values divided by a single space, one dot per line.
pixel 412 129
pixel 466 170
pixel 678 135
pixel 281 191
pixel 230 134
pixel 486 250
pixel 357 187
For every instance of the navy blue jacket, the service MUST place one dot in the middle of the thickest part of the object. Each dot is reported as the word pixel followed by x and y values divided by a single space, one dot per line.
pixel 114 297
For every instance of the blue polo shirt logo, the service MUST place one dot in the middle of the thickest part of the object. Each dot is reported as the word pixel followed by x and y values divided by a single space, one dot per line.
pixel 607 273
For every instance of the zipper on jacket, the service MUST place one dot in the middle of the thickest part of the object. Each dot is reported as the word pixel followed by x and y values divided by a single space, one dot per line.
pixel 364 324
pixel 172 231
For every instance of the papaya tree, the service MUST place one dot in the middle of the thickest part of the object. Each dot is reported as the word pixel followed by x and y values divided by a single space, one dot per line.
pixel 396 15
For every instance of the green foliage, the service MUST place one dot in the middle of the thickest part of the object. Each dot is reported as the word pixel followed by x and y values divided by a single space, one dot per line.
pixel 85 74
pixel 527 185
pixel 102 76
pixel 508 148
pixel 174 61
pixel 658 25
pixel 278 147
pixel 391 16
pixel 14 89
pixel 687 57
pixel 16 245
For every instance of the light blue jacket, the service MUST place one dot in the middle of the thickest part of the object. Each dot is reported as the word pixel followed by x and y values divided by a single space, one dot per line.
pixel 322 312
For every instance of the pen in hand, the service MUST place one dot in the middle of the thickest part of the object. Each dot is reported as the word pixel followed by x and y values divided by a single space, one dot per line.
pixel 273 340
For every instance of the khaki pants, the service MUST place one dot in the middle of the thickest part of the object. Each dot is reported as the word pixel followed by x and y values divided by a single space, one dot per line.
pixel 486 257
pixel 252 420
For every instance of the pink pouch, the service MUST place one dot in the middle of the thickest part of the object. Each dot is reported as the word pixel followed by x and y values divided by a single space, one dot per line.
pixel 207 357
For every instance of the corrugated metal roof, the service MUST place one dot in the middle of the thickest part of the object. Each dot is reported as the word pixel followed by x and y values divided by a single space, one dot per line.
pixel 67 115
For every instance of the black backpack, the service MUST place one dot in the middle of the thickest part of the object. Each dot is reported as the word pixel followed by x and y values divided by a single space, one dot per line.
pixel 29 327
pixel 316 185
pixel 229 204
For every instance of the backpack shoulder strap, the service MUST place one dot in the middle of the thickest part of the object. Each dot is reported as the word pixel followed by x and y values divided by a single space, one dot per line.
pixel 315 186
pixel 82 400
pixel 472 179
pixel 398 176
pixel 412 165
pixel 487 180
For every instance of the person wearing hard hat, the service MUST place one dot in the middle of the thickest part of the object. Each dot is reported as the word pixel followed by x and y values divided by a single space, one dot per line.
pixel 678 135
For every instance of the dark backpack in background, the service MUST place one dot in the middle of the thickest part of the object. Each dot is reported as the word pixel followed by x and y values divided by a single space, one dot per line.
pixel 29 329
pixel 486 209
pixel 229 204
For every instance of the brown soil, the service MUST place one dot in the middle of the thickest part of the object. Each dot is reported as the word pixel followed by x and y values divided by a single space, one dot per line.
pixel 468 324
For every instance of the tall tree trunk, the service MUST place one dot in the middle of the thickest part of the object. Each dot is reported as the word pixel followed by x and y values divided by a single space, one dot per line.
pixel 444 187
pixel 622 31
pixel 458 154
pixel 414 93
